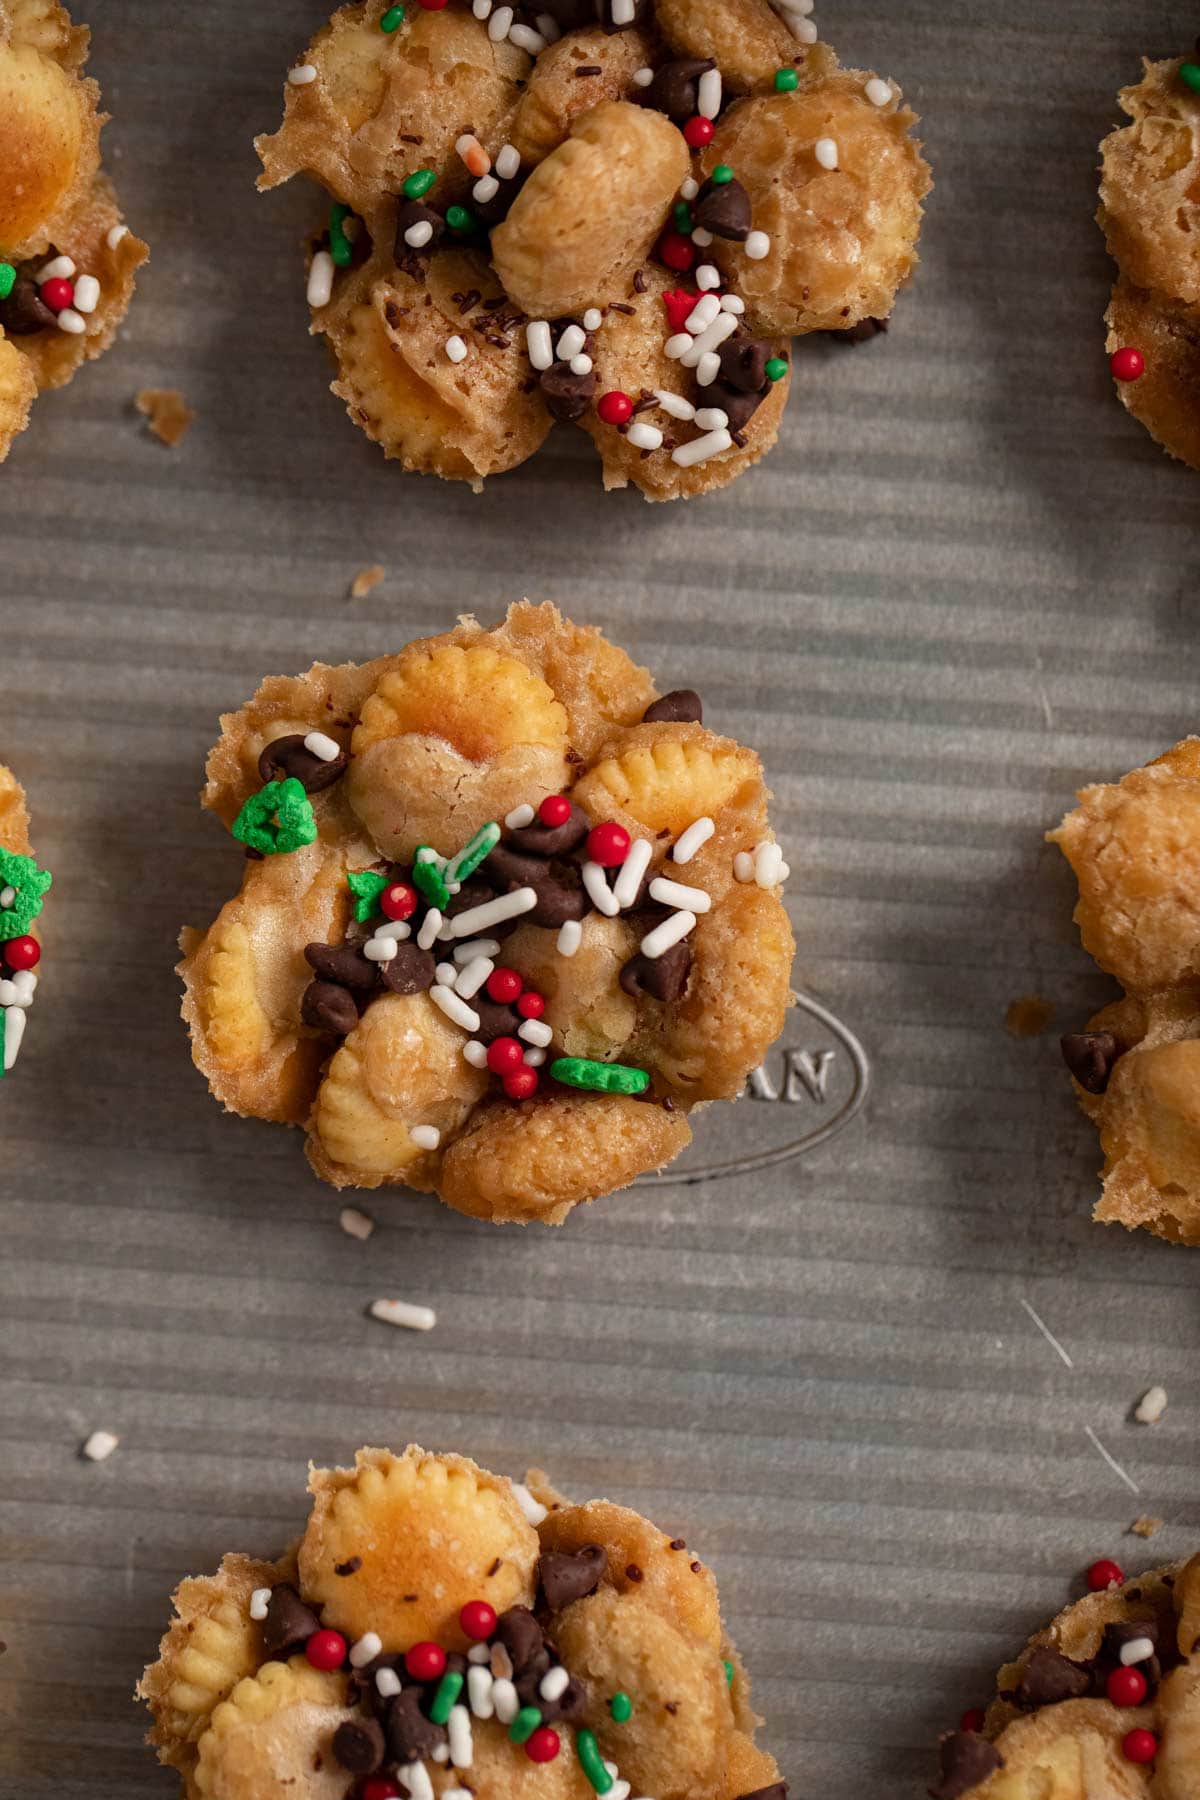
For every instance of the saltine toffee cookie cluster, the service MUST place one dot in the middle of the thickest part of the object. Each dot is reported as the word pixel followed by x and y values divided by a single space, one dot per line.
pixel 67 259
pixel 506 918
pixel 611 213
pixel 1135 848
pixel 441 1633
pixel 23 887
pixel 1102 1705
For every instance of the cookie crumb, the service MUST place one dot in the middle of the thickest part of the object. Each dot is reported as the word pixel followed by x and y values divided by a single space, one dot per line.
pixel 356 1224
pixel 100 1446
pixel 366 581
pixel 404 1313
pixel 167 413
pixel 1028 1017
pixel 1145 1527
pixel 1151 1407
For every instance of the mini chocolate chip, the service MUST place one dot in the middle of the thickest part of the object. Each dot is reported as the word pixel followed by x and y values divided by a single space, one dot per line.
pixel 343 963
pixel 521 1635
pixel 287 756
pixel 677 1544
pixel 415 212
pixel 516 868
pixel 552 840
pixel 744 363
pixel 559 897
pixel 681 706
pixel 570 1705
pixel 738 405
pixel 497 1563
pixel 350 1567
pixel 569 15
pixel 358 1745
pixel 289 1623
pixel 862 333
pixel 565 1576
pixel 327 1007
pixel 1090 1055
pixel 724 209
pixel 633 1573
pixel 411 971
pixel 411 1737
pixel 25 312
pixel 967 1759
pixel 662 977
pixel 674 88
pixel 1049 1677
pixel 567 395
pixel 495 1021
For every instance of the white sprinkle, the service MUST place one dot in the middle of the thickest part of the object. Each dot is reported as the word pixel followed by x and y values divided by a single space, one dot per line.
pixel 643 77
pixel 431 926
pixel 458 1730
pixel 707 370
pixel 475 1053
pixel 570 343
pixel 743 866
pixel 878 92
pixel 7 896
pixel 593 319
pixel 708 94
pixel 100 1446
pixel 703 314
pixel 581 364
pixel 675 404
pixel 554 1684
pixel 697 833
pixel 802 29
pixel 485 189
pixel 87 294
pixel 1048 1334
pixel 387 1683
pixel 595 882
pixel 426 855
pixel 379 949
pixel 402 1312
pixel 784 871
pixel 368 1647
pixel 548 26
pixel 504 1701
pixel 708 277
pixel 302 74
pixel 418 235
pixel 768 859
pixel 19 989
pixel 59 268
pixel 447 1001
pixel 533 1509
pixel 498 28
pixel 758 246
pixel 481 8
pixel 456 350
pixel 508 162
pixel 539 346
pixel 14 1031
pixel 702 237
pixel 260 1600
pixel 535 1032
pixel 535 1057
pixel 1137 1650
pixel 526 38
pixel 624 12
pixel 690 189
pixel 71 322
pixel 397 930
pixel 465 953
pixel 447 974
pixel 425 1137
pixel 678 345
pixel 672 931
pixel 826 152
pixel 320 280
pixel 356 1224
pixel 675 893
pixel 718 326
pixel 712 418
pixel 116 236
pixel 500 1662
pixel 1112 1462
pixel 440 1753
pixel 479 1685
pixel 478 1653
pixel 629 875
pixel 570 936
pixel 1151 1407
pixel 415 1777
pixel 318 744
pixel 445 931
pixel 455 1793
pixel 472 977
pixel 733 303
pixel 493 912
pixel 522 815
pixel 644 437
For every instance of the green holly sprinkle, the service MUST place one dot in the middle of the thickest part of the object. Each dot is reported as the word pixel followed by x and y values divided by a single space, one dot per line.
pixel 464 865
pixel 722 175
pixel 524 1725
pixel 599 1078
pixel 728 1674
pixel 278 819
pixel 340 247
pixel 23 885
pixel 8 280
pixel 786 81
pixel 448 1690
pixel 418 185
pixel 621 1708
pixel 777 368
pixel 460 218
pixel 683 217
pixel 1189 74
pixel 392 19
pixel 366 886
pixel 427 879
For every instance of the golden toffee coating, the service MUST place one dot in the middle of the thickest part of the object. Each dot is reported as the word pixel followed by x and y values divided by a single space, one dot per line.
pixel 58 212
pixel 293 1680
pixel 522 205
pixel 1135 848
pixel 372 1034
pixel 1067 1722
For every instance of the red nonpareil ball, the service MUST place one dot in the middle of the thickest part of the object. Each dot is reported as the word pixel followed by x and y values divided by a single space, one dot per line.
pixel 433 5
pixel 22 952
pixel 699 132
pixel 503 986
pixel 615 408
pixel 1104 1574
pixel 555 809
pixel 1127 364
pixel 1139 1746
pixel 680 306
pixel 1126 1687
pixel 478 1619
pixel 522 1084
pixel 380 1787
pixel 542 1745
pixel 505 1055
pixel 676 251
pixel 972 1719
pixel 426 1662
pixel 608 845
pixel 398 901
pixel 326 1650
pixel 57 293
pixel 531 1005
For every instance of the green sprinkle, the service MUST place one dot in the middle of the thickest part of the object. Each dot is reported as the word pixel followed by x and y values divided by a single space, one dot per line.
pixel 722 175
pixel 340 247
pixel 599 1078
pixel 8 280
pixel 777 368
pixel 418 185
pixel 621 1707
pixel 448 1690
pixel 591 1761
pixel 1189 74
pixel 366 886
pixel 729 1674
pixel 29 883
pixel 524 1725
pixel 427 879
pixel 460 218
pixel 683 217
pixel 460 867
pixel 392 19
pixel 786 81
pixel 277 819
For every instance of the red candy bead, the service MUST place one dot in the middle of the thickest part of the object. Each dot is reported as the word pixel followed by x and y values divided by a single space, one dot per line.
pixel 1104 1574
pixel 680 306
pixel 677 252
pixel 608 845
pixel 380 1787
pixel 503 986
pixel 615 408
pixel 1127 365
pixel 1126 1687
pixel 505 1055
pixel 22 953
pixel 555 809
pixel 426 1662
pixel 433 5
pixel 1139 1746
pixel 57 293
pixel 522 1083
pixel 531 1005
pixel 699 132
pixel 972 1720
pixel 326 1650
pixel 478 1619
pixel 542 1745
pixel 398 901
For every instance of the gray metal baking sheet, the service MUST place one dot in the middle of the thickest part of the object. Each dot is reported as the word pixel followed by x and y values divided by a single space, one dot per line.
pixel 964 584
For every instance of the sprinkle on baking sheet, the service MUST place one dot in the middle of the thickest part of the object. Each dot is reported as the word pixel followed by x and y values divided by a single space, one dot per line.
pixel 366 581
pixel 403 1313
pixel 356 1224
pixel 100 1446
pixel 1151 1407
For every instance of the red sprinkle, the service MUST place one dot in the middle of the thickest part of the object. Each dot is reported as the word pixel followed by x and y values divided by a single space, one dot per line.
pixel 531 1005
pixel 426 1662
pixel 554 811
pixel 1126 365
pixel 505 1055
pixel 972 1720
pixel 57 293
pixel 1140 1746
pixel 22 953
pixel 699 132
pixel 615 408
pixel 542 1745
pixel 1104 1574
pixel 522 1083
pixel 380 1787
pixel 326 1650
pixel 433 5
pixel 608 845
pixel 478 1619
pixel 399 901
pixel 503 986
pixel 680 306
pixel 1126 1687
pixel 677 252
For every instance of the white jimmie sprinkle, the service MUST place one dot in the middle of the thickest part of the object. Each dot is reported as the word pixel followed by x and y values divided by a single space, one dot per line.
pixel 533 1509
pixel 479 1685
pixel 387 1683
pixel 826 152
pixel 458 1730
pixel 554 1684
pixel 758 246
pixel 447 1001
pixel 403 1312
pixel 475 1053
pixel 356 1224
pixel 317 743
pixel 664 937
pixel 595 883
pixel 504 1701
pixel 116 236
pixel 570 936
pixel 1151 1407
pixel 493 912
pixel 320 280
pixel 629 876
pixel 456 349
pixel 100 1446
pixel 878 92
pixel 674 893
pixel 425 1137
pixel 415 1777
pixel 368 1647
pixel 691 840
pixel 302 74
pixel 523 815
pixel 260 1600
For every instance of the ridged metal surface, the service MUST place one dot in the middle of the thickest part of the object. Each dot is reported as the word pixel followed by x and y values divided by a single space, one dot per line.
pixel 963 585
